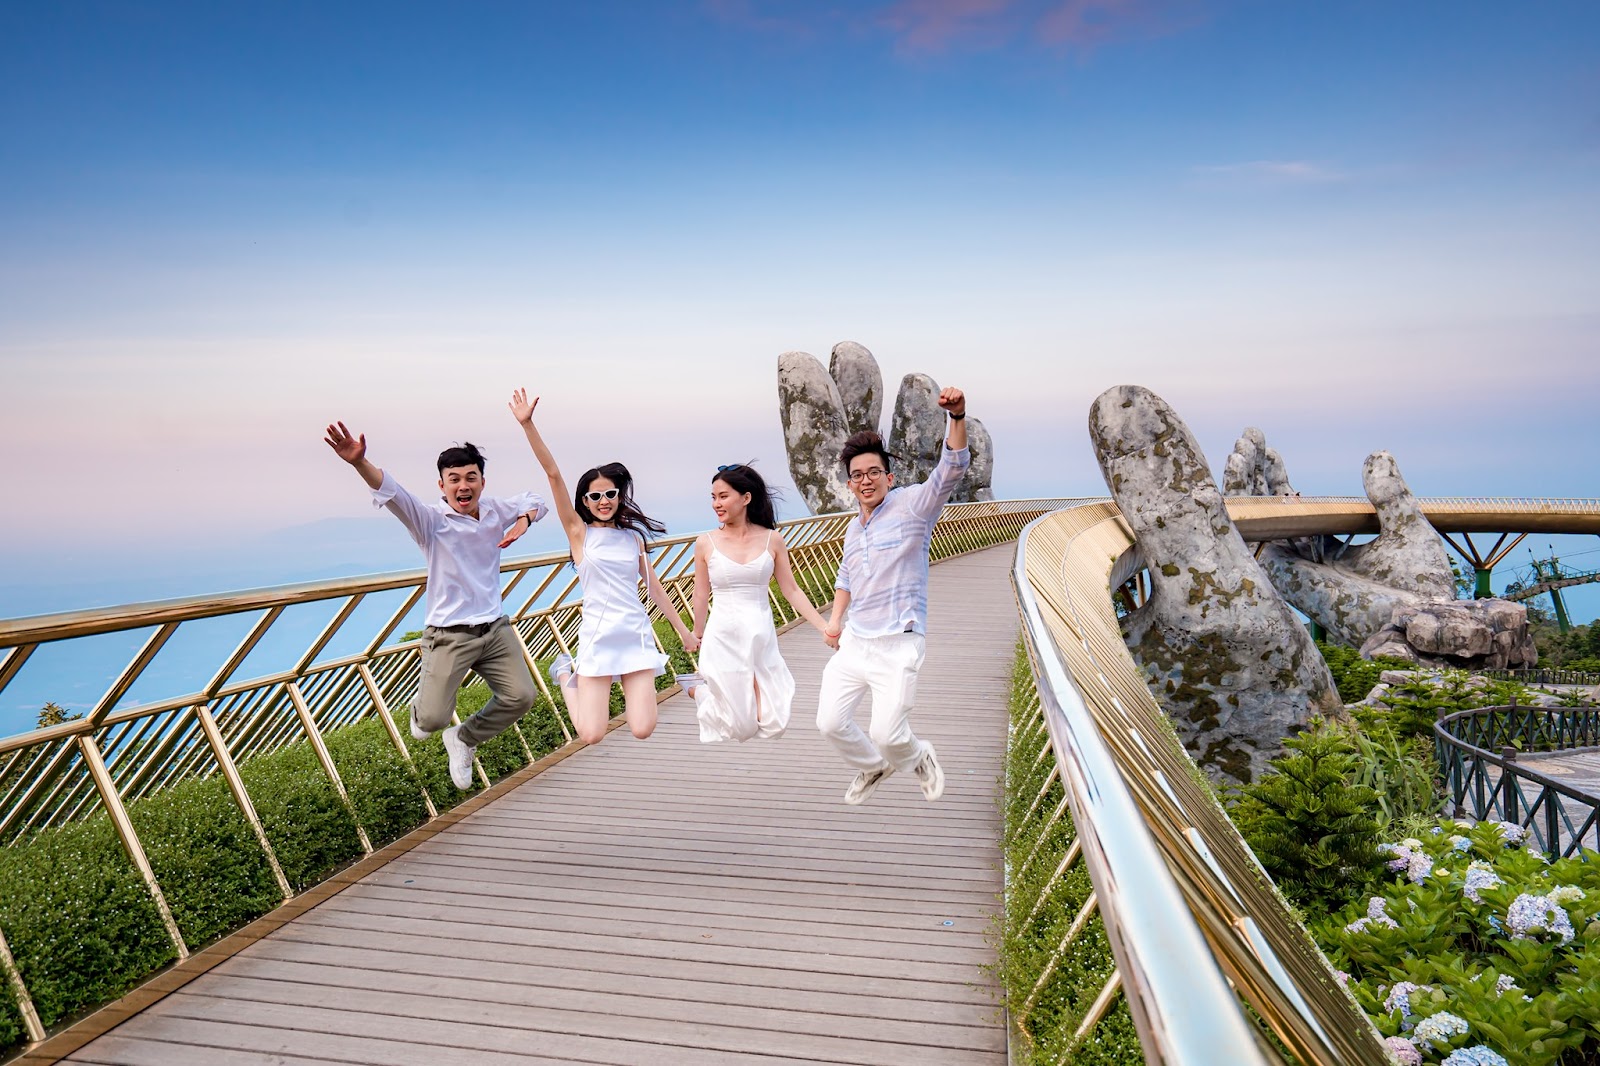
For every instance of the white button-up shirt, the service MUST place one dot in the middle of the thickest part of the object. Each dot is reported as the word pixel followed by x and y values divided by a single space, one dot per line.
pixel 885 564
pixel 463 552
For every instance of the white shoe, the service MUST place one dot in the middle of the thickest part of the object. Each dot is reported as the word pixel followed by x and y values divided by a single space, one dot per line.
pixel 690 682
pixel 865 784
pixel 930 775
pixel 419 732
pixel 460 753
pixel 564 672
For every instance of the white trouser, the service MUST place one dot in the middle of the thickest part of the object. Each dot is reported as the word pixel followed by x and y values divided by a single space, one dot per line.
pixel 888 667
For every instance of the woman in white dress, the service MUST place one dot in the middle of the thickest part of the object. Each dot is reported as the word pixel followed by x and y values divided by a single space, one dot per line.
pixel 743 688
pixel 606 531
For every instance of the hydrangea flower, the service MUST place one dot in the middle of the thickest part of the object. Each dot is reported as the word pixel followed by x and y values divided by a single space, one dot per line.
pixel 1376 915
pixel 1439 1028
pixel 1480 875
pixel 1529 914
pixel 1566 893
pixel 1478 1055
pixel 1411 842
pixel 1342 977
pixel 1419 867
pixel 1460 843
pixel 1399 997
pixel 1403 1051
pixel 1402 856
pixel 1511 832
pixel 1506 983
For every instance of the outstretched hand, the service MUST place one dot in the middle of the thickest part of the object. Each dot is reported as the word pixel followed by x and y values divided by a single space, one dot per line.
pixel 520 407
pixel 954 401
pixel 518 528
pixel 346 445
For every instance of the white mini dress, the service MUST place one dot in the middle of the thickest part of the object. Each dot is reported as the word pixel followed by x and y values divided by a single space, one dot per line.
pixel 749 689
pixel 614 636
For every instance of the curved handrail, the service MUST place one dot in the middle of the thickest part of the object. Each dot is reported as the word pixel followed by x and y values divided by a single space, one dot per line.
pixel 1469 764
pixel 1228 926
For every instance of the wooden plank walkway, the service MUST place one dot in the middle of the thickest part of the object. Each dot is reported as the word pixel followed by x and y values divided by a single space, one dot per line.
pixel 662 902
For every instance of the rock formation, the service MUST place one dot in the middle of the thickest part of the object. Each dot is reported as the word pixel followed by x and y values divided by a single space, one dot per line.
pixel 1231 664
pixel 820 408
pixel 1394 595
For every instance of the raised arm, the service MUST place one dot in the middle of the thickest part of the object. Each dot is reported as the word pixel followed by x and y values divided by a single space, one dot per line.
pixel 787 585
pixel 927 500
pixel 353 449
pixel 522 410
pixel 663 602
pixel 954 402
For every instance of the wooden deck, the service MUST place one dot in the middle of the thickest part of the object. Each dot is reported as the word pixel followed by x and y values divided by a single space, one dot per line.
pixel 661 902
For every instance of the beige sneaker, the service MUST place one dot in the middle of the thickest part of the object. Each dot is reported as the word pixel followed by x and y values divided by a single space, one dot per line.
pixel 930 775
pixel 865 784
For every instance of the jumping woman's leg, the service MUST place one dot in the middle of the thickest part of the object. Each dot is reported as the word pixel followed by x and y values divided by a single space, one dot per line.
pixel 639 692
pixel 591 708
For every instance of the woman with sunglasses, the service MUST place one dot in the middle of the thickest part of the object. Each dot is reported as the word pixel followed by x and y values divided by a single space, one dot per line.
pixel 743 688
pixel 606 532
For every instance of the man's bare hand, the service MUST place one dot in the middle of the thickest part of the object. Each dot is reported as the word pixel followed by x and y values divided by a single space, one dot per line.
pixel 516 530
pixel 831 639
pixel 520 407
pixel 346 445
pixel 954 401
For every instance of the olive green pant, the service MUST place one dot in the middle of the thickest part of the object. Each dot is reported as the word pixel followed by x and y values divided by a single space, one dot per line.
pixel 494 653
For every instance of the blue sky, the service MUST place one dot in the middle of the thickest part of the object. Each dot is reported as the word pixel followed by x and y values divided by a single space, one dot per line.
pixel 1355 225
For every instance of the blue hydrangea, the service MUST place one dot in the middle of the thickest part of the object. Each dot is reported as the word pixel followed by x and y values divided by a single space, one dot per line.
pixel 1460 843
pixel 1439 1028
pixel 1529 914
pixel 1376 915
pixel 1480 875
pixel 1477 1055
pixel 1399 997
pixel 1511 832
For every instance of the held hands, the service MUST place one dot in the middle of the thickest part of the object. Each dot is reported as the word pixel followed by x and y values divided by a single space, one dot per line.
pixel 346 445
pixel 954 401
pixel 691 642
pixel 520 407
pixel 830 637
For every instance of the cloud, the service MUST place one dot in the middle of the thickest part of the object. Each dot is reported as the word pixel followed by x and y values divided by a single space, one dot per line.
pixel 1275 172
pixel 936 27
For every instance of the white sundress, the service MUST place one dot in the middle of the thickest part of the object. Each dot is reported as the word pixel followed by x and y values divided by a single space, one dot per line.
pixel 614 636
pixel 739 655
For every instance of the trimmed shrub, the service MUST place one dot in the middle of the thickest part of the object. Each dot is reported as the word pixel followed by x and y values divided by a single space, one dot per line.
pixel 80 922
pixel 386 792
pixel 1354 675
pixel 206 859
pixel 311 831
pixel 13 1033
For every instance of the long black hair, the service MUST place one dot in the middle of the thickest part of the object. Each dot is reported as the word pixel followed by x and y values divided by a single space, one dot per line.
pixel 742 478
pixel 629 516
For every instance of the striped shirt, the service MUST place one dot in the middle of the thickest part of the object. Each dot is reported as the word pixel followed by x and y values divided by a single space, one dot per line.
pixel 885 565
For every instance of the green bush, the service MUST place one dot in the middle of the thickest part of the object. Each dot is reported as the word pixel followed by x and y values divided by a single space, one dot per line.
pixel 79 919
pixel 1354 675
pixel 13 1033
pixel 1486 938
pixel 1040 908
pixel 206 859
pixel 310 828
pixel 1312 828
pixel 386 792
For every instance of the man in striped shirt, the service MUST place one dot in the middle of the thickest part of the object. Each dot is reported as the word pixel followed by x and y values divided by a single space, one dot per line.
pixel 883 582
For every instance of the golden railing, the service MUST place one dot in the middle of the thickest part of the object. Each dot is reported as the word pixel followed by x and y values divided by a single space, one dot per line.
pixel 1194 922
pixel 117 753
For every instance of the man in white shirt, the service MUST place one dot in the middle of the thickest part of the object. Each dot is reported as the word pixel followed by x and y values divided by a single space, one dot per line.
pixel 883 582
pixel 461 535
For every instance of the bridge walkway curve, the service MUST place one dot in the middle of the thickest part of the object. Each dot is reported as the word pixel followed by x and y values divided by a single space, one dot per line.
pixel 660 902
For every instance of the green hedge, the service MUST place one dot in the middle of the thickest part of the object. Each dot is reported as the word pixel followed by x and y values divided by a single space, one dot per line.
pixel 206 858
pixel 1046 1028
pixel 12 1031
pixel 80 922
pixel 310 828
pixel 1354 675
pixel 383 788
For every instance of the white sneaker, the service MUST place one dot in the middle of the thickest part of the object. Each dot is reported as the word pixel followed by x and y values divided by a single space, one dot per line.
pixel 460 753
pixel 690 682
pixel 865 784
pixel 564 672
pixel 419 732
pixel 930 775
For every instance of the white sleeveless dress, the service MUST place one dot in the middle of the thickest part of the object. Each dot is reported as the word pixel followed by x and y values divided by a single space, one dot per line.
pixel 614 636
pixel 739 655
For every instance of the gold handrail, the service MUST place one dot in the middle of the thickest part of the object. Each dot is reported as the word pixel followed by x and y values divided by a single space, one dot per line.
pixel 118 754
pixel 1149 824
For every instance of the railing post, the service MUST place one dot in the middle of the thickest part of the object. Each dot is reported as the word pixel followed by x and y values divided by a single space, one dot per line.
pixel 1508 784
pixel 130 838
pixel 19 992
pixel 230 773
pixel 308 725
